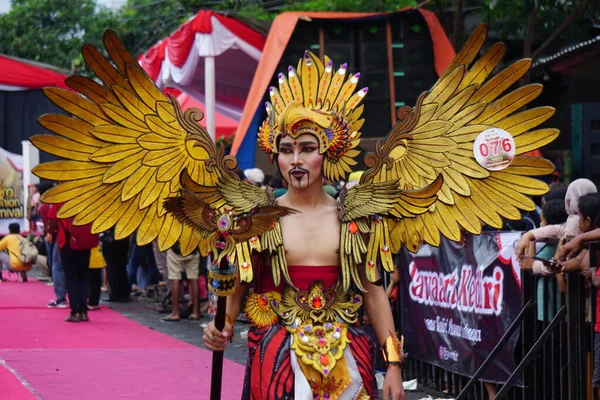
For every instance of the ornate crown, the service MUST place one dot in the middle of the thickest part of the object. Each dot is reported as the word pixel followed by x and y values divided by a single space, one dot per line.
pixel 316 100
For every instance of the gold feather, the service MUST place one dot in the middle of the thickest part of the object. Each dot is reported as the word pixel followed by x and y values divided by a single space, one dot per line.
pixel 70 190
pixel 532 166
pixel 469 51
pixel 335 86
pixel 90 211
pixel 499 83
pixel 144 87
pixel 310 80
pixel 484 66
pixel 73 207
pixel 62 147
pixel 77 105
pixel 508 104
pixel 117 52
pixel 525 120
pixel 324 83
pixel 535 139
pixel 295 86
pixel 150 226
pixel 68 170
pixel 130 220
pixel 132 103
pixel 284 90
pixel 90 89
pixel 122 117
pixel 115 134
pixel 70 128
pixel 102 68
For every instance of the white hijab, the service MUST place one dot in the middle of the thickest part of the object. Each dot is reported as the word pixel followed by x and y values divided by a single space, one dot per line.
pixel 576 189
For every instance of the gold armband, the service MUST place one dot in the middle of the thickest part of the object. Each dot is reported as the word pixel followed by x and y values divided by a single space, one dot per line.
pixel 392 350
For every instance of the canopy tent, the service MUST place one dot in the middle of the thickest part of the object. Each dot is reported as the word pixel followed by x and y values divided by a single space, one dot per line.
pixel 231 51
pixel 279 35
pixel 21 103
pixel 20 74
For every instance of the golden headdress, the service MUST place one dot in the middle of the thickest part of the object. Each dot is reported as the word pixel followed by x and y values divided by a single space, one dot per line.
pixel 315 99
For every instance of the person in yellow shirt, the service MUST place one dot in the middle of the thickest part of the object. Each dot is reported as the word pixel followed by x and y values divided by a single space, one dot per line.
pixel 97 265
pixel 10 250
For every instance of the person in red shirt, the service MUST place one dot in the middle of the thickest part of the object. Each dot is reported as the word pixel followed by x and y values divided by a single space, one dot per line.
pixel 75 244
pixel 48 213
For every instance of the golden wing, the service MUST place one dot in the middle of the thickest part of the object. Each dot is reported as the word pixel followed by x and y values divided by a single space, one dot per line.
pixel 231 192
pixel 124 148
pixel 227 233
pixel 371 208
pixel 437 137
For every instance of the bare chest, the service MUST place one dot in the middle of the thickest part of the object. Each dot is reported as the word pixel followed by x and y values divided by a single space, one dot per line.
pixel 311 238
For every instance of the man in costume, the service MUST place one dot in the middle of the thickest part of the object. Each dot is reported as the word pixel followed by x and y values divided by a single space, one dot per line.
pixel 136 161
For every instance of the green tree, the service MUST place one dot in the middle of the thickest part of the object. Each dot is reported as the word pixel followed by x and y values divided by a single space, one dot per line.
pixel 141 23
pixel 52 31
pixel 354 5
pixel 542 24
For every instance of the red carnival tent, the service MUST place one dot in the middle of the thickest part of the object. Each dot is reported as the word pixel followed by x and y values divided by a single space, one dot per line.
pixel 231 51
pixel 20 74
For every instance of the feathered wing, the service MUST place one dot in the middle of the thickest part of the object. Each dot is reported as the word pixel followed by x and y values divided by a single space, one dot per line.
pixel 436 139
pixel 123 148
pixel 370 209
pixel 234 218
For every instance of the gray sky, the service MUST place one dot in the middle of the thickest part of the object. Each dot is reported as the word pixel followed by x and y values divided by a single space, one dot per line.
pixel 4 6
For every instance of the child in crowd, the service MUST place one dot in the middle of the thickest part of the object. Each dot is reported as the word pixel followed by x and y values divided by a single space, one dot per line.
pixel 575 191
pixel 553 213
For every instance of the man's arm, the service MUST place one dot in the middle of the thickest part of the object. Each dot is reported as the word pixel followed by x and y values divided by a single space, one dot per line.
pixel 574 264
pixel 571 248
pixel 378 308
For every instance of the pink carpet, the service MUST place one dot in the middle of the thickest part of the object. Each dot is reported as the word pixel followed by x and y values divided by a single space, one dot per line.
pixel 109 357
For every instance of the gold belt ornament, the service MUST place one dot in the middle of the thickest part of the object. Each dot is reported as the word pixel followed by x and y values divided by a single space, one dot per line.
pixel 317 319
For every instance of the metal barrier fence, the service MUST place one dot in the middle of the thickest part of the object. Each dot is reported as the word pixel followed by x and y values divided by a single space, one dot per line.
pixel 554 354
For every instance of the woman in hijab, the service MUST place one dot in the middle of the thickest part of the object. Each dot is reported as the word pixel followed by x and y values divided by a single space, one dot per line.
pixel 562 232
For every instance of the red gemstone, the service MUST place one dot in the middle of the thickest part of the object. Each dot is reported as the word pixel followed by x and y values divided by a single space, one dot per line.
pixel 263 301
pixel 317 303
pixel 353 227
pixel 324 359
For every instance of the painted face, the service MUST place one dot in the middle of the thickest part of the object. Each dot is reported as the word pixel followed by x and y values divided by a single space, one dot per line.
pixel 299 161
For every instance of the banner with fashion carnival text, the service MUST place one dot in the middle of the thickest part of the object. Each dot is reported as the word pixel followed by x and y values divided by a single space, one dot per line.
pixel 458 299
pixel 11 190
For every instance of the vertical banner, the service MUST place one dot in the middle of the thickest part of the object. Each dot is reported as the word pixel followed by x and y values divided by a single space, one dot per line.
pixel 11 190
pixel 458 299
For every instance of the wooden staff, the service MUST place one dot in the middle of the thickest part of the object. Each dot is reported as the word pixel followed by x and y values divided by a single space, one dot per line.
pixel 217 359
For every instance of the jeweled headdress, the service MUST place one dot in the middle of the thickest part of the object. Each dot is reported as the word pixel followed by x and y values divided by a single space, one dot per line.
pixel 316 99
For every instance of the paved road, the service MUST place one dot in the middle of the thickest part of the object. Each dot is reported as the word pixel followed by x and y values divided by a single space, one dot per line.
pixel 145 312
